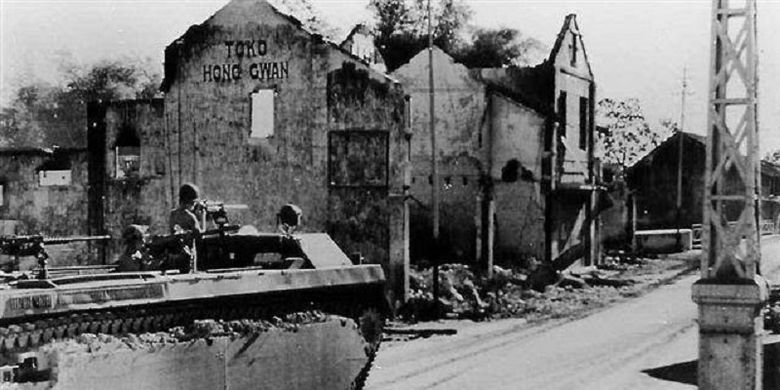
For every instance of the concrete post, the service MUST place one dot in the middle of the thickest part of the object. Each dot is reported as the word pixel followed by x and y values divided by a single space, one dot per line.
pixel 491 236
pixel 730 327
pixel 478 225
pixel 398 276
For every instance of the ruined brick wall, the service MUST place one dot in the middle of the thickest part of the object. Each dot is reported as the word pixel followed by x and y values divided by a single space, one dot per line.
pixel 51 210
pixel 460 187
pixel 143 197
pixel 481 136
pixel 317 89
pixel 616 218
pixel 517 147
pixel 361 112
pixel 460 119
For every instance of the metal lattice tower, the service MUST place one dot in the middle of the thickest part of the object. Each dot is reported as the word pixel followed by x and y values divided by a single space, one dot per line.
pixel 732 176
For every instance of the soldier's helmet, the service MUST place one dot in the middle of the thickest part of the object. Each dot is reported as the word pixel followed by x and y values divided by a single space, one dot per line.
pixel 188 192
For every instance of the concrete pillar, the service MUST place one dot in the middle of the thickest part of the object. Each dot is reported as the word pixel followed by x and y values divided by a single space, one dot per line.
pixel 398 275
pixel 478 224
pixel 594 229
pixel 491 236
pixel 730 327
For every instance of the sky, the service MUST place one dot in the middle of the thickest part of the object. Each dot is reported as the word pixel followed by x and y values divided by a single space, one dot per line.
pixel 637 48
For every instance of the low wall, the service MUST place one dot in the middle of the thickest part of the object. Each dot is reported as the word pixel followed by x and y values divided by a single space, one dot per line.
pixel 326 355
pixel 663 241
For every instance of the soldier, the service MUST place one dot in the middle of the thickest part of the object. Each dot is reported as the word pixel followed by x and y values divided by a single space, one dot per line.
pixel 132 259
pixel 183 218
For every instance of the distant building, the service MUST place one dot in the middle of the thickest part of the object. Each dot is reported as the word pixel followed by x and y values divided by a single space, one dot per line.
pixel 515 152
pixel 653 183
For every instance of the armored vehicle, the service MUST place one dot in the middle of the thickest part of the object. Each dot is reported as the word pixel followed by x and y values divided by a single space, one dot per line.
pixel 238 274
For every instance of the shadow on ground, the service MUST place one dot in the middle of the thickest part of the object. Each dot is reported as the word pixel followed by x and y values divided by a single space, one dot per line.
pixel 685 372
pixel 679 372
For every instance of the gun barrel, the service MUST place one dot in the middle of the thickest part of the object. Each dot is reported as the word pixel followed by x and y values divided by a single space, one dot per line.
pixel 239 206
pixel 65 240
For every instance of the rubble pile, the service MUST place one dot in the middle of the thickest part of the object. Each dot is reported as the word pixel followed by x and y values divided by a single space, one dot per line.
pixel 465 294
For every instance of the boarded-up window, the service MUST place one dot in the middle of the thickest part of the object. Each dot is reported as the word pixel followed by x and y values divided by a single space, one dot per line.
pixel 357 158
pixel 262 113
pixel 54 177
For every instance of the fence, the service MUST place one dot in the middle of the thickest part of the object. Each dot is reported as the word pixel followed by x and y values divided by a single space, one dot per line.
pixel 766 227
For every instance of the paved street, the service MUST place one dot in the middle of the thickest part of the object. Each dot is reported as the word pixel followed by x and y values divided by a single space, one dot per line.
pixel 645 343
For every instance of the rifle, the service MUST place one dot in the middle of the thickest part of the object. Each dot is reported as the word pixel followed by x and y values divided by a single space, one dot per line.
pixel 35 245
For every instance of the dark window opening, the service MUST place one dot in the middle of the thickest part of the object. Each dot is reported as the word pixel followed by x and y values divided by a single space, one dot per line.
pixel 510 171
pixel 55 171
pixel 465 181
pixel 358 158
pixel 583 123
pixel 562 113
pixel 573 49
pixel 430 179
pixel 609 176
pixel 414 179
pixel 127 153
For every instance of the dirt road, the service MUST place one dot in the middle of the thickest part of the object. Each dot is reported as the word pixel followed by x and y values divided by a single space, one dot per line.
pixel 648 342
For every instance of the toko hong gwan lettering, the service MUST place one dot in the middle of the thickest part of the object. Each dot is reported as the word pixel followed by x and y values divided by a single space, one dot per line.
pixel 240 49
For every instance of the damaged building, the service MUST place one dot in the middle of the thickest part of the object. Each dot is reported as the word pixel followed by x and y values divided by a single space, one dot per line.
pixel 515 151
pixel 259 111
pixel 43 191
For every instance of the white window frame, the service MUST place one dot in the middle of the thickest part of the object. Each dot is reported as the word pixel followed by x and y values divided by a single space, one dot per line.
pixel 262 113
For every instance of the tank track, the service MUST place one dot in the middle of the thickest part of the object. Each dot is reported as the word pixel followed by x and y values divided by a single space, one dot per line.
pixel 27 336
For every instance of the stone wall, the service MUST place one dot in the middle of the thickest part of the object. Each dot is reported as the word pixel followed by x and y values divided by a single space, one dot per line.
pixel 56 208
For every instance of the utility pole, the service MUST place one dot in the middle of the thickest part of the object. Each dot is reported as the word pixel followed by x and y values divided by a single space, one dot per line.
pixel 730 293
pixel 434 167
pixel 680 156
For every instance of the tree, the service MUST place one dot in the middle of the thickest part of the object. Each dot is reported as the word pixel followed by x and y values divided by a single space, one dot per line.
pixel 773 157
pixel 18 126
pixel 497 47
pixel 304 11
pixel 402 29
pixel 669 126
pixel 402 32
pixel 43 114
pixel 626 136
